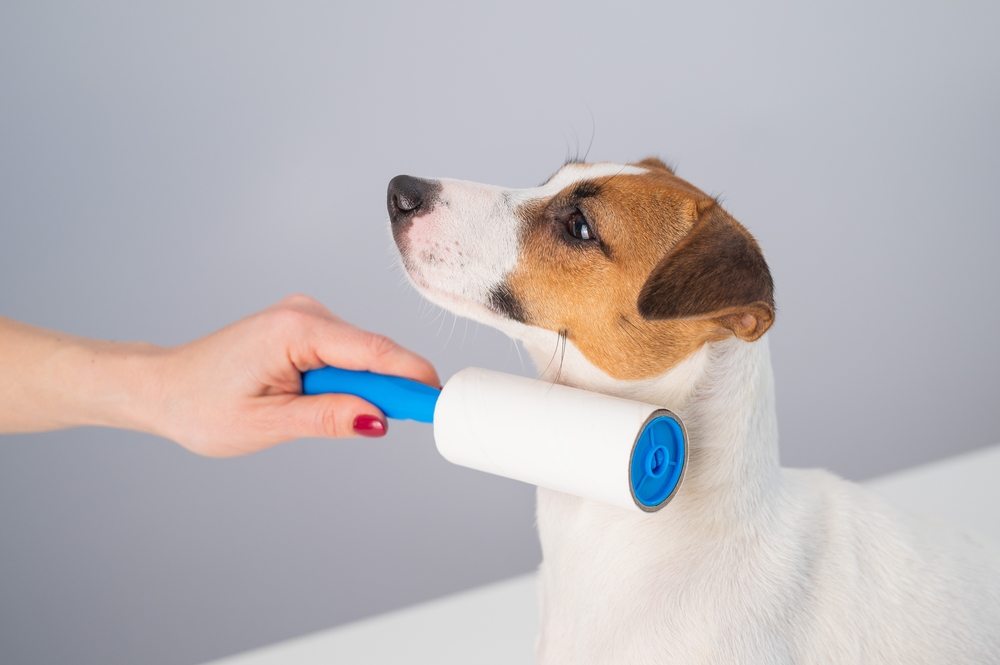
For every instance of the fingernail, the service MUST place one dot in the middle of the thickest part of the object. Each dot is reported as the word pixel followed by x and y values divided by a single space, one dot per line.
pixel 369 426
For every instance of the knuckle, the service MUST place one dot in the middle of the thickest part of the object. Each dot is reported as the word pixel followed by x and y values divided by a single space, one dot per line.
pixel 328 423
pixel 380 346
pixel 290 318
pixel 299 300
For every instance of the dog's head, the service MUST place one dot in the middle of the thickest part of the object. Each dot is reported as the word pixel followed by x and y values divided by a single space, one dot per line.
pixel 636 267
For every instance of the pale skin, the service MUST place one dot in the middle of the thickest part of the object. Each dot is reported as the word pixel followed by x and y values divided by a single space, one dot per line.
pixel 232 392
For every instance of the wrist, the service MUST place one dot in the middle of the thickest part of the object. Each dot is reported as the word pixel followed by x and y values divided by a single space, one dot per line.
pixel 50 380
pixel 115 384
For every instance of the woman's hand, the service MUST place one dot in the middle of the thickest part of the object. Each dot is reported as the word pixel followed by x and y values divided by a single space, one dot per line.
pixel 240 389
pixel 235 391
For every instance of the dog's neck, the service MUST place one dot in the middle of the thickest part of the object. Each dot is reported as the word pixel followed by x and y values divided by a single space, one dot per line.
pixel 724 393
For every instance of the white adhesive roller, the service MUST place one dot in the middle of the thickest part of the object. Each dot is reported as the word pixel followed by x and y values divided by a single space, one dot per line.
pixel 618 451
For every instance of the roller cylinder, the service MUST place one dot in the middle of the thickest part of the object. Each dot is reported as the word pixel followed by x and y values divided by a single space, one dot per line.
pixel 625 453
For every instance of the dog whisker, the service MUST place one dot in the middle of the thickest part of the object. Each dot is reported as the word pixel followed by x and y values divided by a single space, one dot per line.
pixel 623 320
pixel 567 159
pixel 561 349
pixel 549 364
pixel 563 335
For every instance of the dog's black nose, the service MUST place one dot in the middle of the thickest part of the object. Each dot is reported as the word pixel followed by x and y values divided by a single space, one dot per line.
pixel 409 196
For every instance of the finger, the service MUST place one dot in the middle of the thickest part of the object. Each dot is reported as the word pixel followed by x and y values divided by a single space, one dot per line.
pixel 306 304
pixel 348 347
pixel 332 416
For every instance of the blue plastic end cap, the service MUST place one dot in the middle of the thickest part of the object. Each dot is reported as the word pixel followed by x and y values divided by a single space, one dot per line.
pixel 657 461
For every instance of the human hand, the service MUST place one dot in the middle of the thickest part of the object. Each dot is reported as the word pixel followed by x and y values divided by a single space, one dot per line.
pixel 239 389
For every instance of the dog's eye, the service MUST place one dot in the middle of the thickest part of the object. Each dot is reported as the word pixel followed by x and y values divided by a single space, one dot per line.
pixel 579 228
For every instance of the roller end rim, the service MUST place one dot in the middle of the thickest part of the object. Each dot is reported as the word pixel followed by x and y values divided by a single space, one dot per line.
pixel 658 461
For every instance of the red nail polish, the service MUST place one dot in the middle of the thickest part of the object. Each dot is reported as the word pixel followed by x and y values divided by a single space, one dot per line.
pixel 369 426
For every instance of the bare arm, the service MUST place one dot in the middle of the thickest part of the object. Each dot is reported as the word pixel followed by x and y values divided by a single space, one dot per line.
pixel 235 391
pixel 51 380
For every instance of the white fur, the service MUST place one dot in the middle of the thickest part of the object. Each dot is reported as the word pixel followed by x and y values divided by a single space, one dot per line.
pixel 750 563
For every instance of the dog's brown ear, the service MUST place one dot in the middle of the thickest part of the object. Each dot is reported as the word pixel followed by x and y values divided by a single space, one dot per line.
pixel 655 163
pixel 716 272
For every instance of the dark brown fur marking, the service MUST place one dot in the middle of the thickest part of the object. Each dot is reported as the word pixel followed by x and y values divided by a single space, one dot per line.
pixel 717 268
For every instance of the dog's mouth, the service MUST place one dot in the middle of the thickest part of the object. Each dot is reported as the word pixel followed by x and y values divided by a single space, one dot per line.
pixel 500 306
pixel 460 305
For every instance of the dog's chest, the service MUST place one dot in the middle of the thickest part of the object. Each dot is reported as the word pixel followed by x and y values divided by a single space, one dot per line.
pixel 619 588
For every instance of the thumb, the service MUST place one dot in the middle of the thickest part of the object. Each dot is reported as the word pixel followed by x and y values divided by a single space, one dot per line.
pixel 334 416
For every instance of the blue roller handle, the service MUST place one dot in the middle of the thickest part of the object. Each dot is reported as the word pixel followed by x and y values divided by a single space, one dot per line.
pixel 397 397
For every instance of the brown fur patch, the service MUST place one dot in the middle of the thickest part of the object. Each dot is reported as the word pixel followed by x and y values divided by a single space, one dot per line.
pixel 591 289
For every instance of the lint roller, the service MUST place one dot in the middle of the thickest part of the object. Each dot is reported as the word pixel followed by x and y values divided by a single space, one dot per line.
pixel 614 450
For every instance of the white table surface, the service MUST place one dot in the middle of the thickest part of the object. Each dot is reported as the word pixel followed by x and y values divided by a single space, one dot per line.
pixel 497 623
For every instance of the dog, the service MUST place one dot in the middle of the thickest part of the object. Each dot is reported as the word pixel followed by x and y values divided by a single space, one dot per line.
pixel 649 290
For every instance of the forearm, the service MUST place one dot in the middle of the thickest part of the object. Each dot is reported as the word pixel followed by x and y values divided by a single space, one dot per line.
pixel 234 391
pixel 51 380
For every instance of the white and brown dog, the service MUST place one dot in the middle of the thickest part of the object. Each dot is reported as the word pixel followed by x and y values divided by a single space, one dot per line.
pixel 653 292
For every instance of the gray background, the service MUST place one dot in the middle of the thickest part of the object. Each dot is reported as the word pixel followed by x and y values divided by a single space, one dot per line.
pixel 166 169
